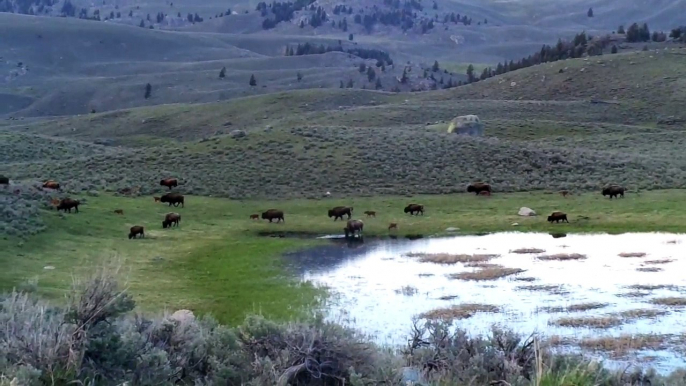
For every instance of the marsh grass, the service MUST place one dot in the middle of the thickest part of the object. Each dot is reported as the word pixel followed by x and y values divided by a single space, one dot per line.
pixel 527 250
pixel 660 261
pixel 487 273
pixel 599 322
pixel 460 311
pixel 562 257
pixel 447 258
pixel 632 254
pixel 641 313
pixel 633 294
pixel 672 301
pixel 549 288
pixel 525 279
pixel 624 344
pixel 653 287
pixel 649 269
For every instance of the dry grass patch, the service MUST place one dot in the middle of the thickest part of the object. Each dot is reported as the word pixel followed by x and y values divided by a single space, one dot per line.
pixel 632 254
pixel 526 279
pixel 624 344
pixel 587 306
pixel 447 258
pixel 588 321
pixel 653 287
pixel 528 250
pixel 448 297
pixel 562 257
pixel 633 294
pixel 460 311
pixel 407 290
pixel 661 261
pixel 671 301
pixel 641 313
pixel 481 264
pixel 551 289
pixel 488 273
pixel 649 269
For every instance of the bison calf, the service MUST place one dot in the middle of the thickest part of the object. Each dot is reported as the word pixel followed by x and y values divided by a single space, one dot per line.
pixel 557 217
pixel 119 211
pixel 370 213
pixel 51 185
pixel 254 216
pixel 392 226
pixel 135 231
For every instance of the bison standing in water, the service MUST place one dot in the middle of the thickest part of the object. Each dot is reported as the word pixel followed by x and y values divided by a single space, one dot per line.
pixel 613 191
pixel 173 199
pixel 171 219
pixel 557 217
pixel 340 211
pixel 67 204
pixel 135 231
pixel 412 208
pixel 478 187
pixel 352 227
pixel 272 214
pixel 170 183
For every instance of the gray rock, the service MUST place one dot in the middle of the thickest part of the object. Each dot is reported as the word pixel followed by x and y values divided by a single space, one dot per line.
pixel 526 212
pixel 452 229
pixel 467 125
pixel 238 134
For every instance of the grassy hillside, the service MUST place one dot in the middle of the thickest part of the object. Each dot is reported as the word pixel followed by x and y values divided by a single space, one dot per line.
pixel 357 143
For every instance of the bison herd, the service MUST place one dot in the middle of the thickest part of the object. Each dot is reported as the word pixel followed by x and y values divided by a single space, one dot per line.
pixel 353 227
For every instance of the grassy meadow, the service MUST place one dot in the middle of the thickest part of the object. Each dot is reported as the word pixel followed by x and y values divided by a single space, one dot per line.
pixel 220 261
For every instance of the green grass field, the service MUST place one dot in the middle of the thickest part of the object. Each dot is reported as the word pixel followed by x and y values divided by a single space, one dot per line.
pixel 217 262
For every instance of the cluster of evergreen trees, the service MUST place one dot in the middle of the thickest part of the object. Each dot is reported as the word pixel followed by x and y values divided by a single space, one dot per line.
pixel 382 57
pixel 26 7
pixel 456 18
pixel 406 4
pixel 678 34
pixel 401 18
pixel 282 11
pixel 342 9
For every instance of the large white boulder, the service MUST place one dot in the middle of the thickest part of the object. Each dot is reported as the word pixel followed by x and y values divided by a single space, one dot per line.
pixel 526 212
pixel 467 125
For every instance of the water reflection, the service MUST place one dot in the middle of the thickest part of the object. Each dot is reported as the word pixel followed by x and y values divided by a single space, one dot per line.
pixel 368 277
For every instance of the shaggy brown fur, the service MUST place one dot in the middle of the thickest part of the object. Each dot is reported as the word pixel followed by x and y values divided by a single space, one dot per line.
pixel 170 183
pixel 135 231
pixel 273 214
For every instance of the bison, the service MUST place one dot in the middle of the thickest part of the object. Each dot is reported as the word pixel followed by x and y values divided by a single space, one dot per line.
pixel 557 217
pixel 119 211
pixel 4 180
pixel 412 208
pixel 370 213
pixel 170 183
pixel 613 191
pixel 254 216
pixel 50 184
pixel 352 227
pixel 392 225
pixel 67 204
pixel 170 220
pixel 565 193
pixel 173 199
pixel 340 211
pixel 135 231
pixel 478 187
pixel 272 214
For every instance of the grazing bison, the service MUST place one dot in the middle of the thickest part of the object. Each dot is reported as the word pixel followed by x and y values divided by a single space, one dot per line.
pixel 557 217
pixel 614 191
pixel 392 225
pixel 254 216
pixel 352 227
pixel 157 199
pixel 272 214
pixel 170 183
pixel 119 211
pixel 370 213
pixel 565 193
pixel 485 193
pixel 170 220
pixel 4 180
pixel 173 199
pixel 67 204
pixel 340 211
pixel 412 208
pixel 135 231
pixel 51 185
pixel 478 187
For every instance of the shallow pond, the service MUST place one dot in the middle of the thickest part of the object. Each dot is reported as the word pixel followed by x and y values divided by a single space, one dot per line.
pixel 606 287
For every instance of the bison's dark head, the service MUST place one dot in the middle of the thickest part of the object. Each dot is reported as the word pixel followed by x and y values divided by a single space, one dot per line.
pixel 264 215
pixel 407 209
pixel 162 182
pixel 164 224
pixel 471 189
pixel 550 218
pixel 130 235
pixel 164 198
pixel 606 191
pixel 331 213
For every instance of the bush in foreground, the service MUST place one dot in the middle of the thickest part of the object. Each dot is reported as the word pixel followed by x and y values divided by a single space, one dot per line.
pixel 97 339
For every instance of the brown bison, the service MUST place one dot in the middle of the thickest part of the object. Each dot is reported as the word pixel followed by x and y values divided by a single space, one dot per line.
pixel 272 214
pixel 67 204
pixel 254 216
pixel 557 217
pixel 4 180
pixel 170 183
pixel 412 208
pixel 478 187
pixel 157 199
pixel 173 199
pixel 50 184
pixel 485 193
pixel 370 213
pixel 119 211
pixel 613 191
pixel 392 225
pixel 135 231
pixel 352 227
pixel 170 220
pixel 340 211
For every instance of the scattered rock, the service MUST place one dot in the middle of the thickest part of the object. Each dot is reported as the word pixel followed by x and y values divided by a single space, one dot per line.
pixel 467 124
pixel 515 224
pixel 228 123
pixel 513 84
pixel 183 316
pixel 526 212
pixel 48 268
pixel 238 134
pixel 452 229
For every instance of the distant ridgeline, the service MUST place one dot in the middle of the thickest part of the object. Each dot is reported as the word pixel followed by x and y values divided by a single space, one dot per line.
pixel 315 49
